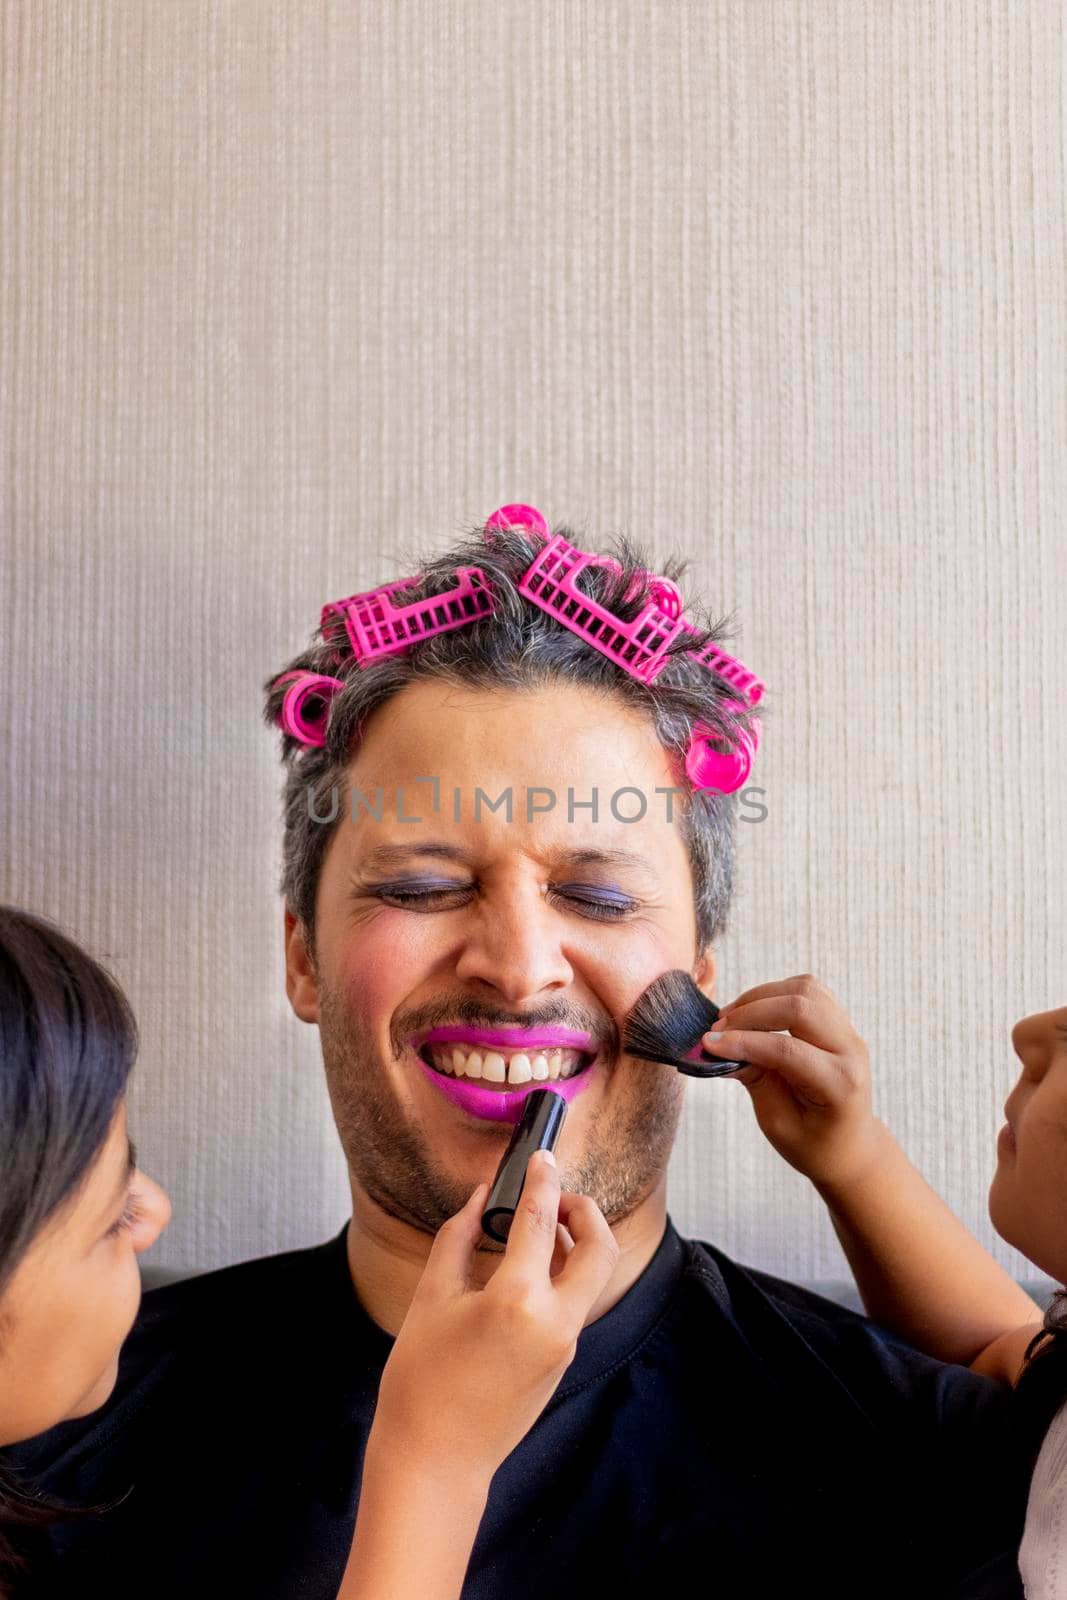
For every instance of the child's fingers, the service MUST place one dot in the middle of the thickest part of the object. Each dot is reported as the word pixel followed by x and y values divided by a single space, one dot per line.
pixel 592 1261
pixel 804 984
pixel 799 984
pixel 532 1237
pixel 749 1076
pixel 807 1069
pixel 778 1103
pixel 448 1264
pixel 817 1020
pixel 564 1246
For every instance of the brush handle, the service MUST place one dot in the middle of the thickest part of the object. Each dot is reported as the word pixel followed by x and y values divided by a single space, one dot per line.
pixel 709 1067
pixel 697 1063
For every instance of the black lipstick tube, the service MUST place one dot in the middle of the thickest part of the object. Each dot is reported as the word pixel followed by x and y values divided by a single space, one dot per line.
pixel 539 1127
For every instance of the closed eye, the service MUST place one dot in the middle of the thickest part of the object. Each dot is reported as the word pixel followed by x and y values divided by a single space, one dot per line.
pixel 132 1214
pixel 594 906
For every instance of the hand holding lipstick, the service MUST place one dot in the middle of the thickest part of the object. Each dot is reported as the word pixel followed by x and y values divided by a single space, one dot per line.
pixel 471 1371
pixel 473 1368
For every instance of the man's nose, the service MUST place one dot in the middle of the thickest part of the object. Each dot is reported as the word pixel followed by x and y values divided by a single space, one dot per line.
pixel 514 943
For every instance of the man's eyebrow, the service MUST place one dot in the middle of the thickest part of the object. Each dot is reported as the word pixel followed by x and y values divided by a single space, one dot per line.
pixel 391 855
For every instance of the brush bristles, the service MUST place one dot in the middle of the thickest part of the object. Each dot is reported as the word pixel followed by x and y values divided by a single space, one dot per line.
pixel 668 1019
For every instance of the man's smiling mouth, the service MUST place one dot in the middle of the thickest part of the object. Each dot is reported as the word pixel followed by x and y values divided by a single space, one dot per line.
pixel 489 1072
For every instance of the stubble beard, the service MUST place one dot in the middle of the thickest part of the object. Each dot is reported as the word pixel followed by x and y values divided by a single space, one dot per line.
pixel 624 1157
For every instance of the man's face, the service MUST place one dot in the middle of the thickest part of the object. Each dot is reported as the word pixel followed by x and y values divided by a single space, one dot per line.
pixel 496 925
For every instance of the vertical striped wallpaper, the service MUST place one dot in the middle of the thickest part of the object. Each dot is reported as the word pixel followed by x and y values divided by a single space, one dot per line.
pixel 290 289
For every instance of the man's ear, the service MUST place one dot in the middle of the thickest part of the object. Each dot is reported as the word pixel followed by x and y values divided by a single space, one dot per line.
pixel 301 982
pixel 704 972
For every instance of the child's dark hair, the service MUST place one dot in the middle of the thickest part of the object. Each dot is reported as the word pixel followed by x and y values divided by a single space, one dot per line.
pixel 1042 1385
pixel 67 1042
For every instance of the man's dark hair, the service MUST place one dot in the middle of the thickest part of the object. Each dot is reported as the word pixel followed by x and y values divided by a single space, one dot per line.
pixel 519 647
pixel 1042 1384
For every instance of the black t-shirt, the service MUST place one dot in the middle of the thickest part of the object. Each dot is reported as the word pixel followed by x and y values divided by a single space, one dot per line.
pixel 719 1432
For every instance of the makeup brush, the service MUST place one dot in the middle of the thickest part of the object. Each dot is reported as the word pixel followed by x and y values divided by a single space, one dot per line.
pixel 539 1128
pixel 668 1023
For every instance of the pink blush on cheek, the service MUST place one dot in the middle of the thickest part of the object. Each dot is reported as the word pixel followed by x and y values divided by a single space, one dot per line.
pixel 387 965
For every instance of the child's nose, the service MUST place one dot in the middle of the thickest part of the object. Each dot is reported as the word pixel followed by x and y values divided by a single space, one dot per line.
pixel 155 1211
pixel 1024 1033
pixel 1037 1030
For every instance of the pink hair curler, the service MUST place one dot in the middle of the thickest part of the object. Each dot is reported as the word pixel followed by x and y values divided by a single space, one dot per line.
pixel 735 672
pixel 307 686
pixel 709 766
pixel 638 647
pixel 377 627
pixel 666 596
pixel 660 590
pixel 519 516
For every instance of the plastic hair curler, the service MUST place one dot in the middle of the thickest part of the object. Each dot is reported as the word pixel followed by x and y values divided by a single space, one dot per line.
pixel 307 686
pixel 709 766
pixel 377 626
pixel 735 672
pixel 641 647
pixel 638 647
pixel 519 516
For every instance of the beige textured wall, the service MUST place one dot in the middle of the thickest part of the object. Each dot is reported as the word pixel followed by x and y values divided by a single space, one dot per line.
pixel 287 288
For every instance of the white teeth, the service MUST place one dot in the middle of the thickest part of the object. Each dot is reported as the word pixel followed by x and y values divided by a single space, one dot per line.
pixel 520 1070
pixel 492 1066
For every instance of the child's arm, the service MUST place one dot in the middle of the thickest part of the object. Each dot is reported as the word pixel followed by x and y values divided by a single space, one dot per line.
pixel 917 1268
pixel 471 1371
pixel 415 1529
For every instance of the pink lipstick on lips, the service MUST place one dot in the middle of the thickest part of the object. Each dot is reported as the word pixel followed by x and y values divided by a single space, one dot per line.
pixel 504 1105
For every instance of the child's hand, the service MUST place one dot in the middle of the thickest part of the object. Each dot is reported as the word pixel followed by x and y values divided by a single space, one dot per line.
pixel 473 1368
pixel 809 1084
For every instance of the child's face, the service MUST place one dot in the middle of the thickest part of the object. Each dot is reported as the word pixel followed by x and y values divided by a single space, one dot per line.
pixel 75 1293
pixel 1028 1197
